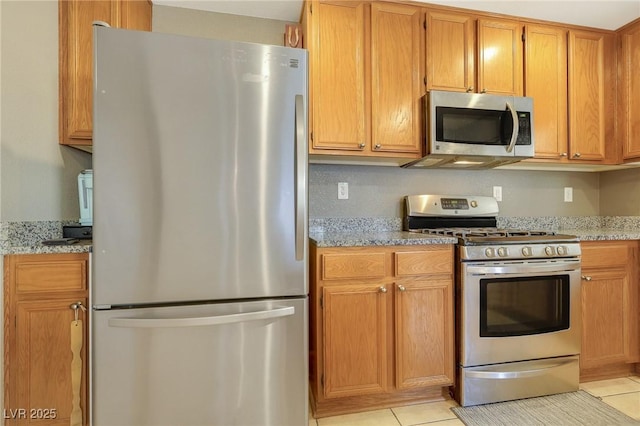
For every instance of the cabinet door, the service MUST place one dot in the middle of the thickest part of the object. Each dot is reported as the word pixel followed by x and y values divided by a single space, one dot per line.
pixel 545 80
pixel 499 57
pixel 135 15
pixel 586 96
pixel 76 65
pixel 450 52
pixel 605 317
pixel 76 58
pixel 355 340
pixel 424 333
pixel 396 77
pixel 41 364
pixel 630 93
pixel 337 54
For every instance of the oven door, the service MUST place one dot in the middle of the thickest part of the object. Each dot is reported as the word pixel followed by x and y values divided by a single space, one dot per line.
pixel 518 310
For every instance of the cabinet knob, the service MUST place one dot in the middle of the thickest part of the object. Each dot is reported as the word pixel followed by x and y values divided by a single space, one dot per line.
pixel 401 287
pixel 361 146
pixel 564 154
pixel 469 89
pixel 483 91
pixel 383 289
pixel 576 155
pixel 586 278
pixel 378 146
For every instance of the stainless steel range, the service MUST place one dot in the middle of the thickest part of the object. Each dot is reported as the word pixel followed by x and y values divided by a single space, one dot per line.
pixel 517 300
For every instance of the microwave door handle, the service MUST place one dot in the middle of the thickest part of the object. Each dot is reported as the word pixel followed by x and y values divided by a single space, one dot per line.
pixel 516 127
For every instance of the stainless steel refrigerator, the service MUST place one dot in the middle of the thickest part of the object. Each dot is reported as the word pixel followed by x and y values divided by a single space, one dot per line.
pixel 199 266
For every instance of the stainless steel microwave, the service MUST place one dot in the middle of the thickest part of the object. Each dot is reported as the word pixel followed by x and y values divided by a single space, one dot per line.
pixel 472 130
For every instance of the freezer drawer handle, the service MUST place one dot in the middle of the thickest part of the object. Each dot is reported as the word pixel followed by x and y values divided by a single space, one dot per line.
pixel 195 322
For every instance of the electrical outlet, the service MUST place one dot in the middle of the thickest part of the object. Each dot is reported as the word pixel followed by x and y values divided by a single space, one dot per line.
pixel 343 191
pixel 497 193
pixel 568 194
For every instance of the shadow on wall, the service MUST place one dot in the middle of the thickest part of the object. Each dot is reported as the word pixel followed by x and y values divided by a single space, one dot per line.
pixel 620 193
pixel 40 184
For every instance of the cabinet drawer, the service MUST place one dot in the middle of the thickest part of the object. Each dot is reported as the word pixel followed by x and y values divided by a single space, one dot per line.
pixel 600 255
pixel 51 276
pixel 424 262
pixel 342 266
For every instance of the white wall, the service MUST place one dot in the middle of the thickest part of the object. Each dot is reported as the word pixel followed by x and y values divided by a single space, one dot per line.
pixel 38 177
pixel 378 191
pixel 177 20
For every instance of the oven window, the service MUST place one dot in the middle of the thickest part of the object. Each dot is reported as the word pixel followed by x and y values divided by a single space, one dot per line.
pixel 523 306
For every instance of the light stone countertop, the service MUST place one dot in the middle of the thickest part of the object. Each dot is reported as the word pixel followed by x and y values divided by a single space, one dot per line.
pixel 603 234
pixel 379 238
pixel 26 238
pixel 362 232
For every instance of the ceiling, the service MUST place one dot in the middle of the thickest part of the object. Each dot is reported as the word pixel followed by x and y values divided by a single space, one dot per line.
pixel 606 14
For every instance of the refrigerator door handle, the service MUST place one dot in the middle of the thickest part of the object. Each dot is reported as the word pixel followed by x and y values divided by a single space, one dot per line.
pixel 201 321
pixel 300 177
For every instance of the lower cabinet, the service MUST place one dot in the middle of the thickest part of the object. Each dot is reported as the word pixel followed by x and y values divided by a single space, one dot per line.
pixel 382 330
pixel 45 364
pixel 609 308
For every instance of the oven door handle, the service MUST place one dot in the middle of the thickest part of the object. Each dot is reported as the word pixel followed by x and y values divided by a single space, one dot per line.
pixel 522 268
pixel 517 374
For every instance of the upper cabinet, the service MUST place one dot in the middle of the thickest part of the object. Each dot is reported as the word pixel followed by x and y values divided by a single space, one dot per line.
pixel 450 51
pixel 629 91
pixel 76 58
pixel 366 78
pixel 545 81
pixel 499 57
pixel 452 63
pixel 592 73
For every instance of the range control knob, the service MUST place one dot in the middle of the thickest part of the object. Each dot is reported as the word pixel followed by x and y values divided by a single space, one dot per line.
pixel 489 252
pixel 474 203
pixel 562 251
pixel 550 250
pixel 526 251
pixel 503 252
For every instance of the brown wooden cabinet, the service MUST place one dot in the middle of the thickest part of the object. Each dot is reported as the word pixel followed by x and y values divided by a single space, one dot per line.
pixel 609 306
pixel 546 82
pixel 629 91
pixel 452 41
pixel 592 77
pixel 381 328
pixel 450 51
pixel 76 58
pixel 365 78
pixel 499 57
pixel 38 293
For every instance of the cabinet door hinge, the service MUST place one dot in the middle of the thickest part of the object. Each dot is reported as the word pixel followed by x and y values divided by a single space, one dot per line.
pixel 321 302
pixel 311 8
pixel 311 136
pixel 322 380
pixel 523 36
pixel 424 24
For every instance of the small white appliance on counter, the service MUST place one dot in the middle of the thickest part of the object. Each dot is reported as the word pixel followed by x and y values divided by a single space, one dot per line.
pixel 85 195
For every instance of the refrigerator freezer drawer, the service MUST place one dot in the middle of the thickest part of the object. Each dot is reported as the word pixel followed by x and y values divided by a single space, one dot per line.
pixel 217 364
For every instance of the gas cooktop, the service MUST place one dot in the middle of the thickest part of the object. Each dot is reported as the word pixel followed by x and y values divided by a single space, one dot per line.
pixel 472 219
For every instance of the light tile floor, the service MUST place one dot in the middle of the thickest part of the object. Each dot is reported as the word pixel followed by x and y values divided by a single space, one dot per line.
pixel 622 394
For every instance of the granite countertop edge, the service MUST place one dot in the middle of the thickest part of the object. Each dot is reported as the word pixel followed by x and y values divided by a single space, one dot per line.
pixel 396 238
pixel 79 247
pixel 381 238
